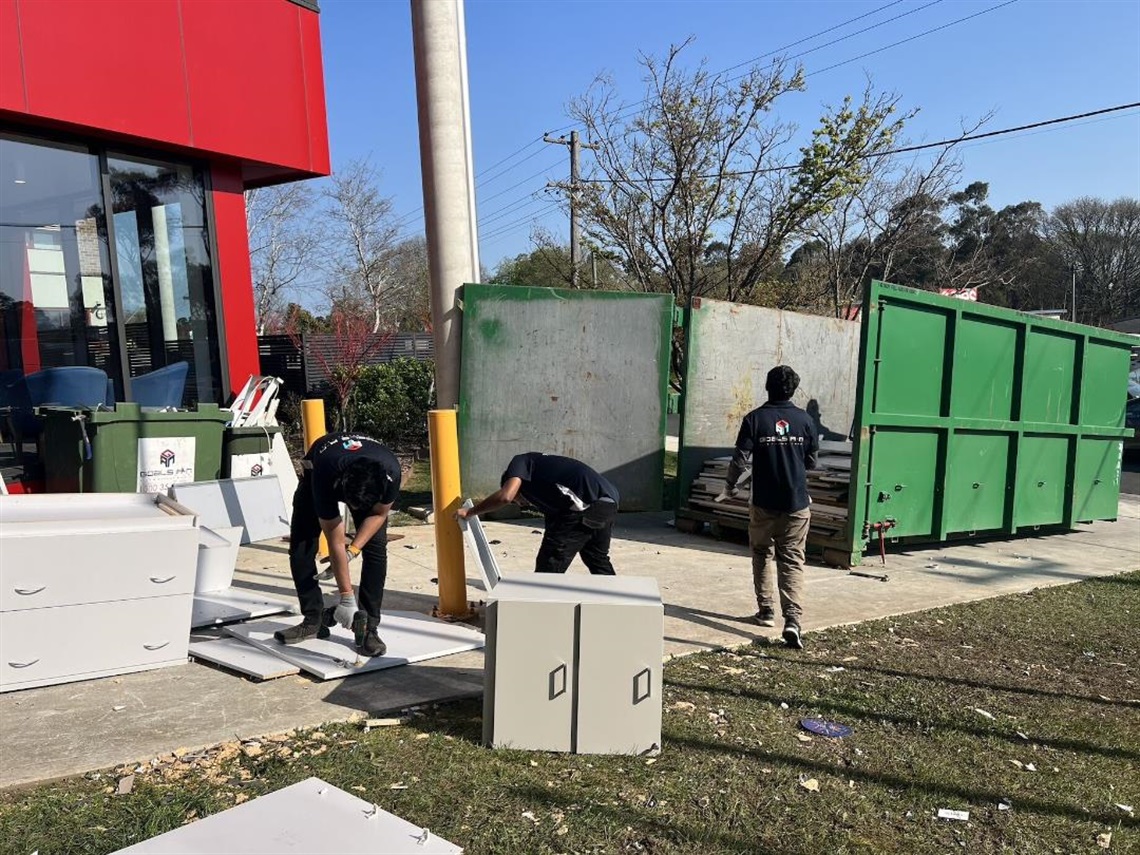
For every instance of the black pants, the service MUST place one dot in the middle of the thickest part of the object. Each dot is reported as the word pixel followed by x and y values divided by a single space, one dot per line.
pixel 565 537
pixel 304 537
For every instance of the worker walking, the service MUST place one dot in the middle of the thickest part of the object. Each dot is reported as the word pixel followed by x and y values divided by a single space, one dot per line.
pixel 363 474
pixel 578 505
pixel 781 439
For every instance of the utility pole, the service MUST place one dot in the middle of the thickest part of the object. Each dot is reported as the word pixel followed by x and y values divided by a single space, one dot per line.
pixel 576 147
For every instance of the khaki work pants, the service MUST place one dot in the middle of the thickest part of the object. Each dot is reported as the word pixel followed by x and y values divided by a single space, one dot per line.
pixel 778 542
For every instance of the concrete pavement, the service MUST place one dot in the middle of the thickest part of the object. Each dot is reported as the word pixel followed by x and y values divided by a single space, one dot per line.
pixel 706 584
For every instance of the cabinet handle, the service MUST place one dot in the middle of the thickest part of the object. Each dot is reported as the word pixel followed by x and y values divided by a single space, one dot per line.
pixel 553 678
pixel 158 581
pixel 156 646
pixel 23 664
pixel 27 592
pixel 638 696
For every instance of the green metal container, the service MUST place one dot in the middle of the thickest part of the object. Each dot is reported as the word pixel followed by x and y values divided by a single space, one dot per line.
pixel 128 449
pixel 241 441
pixel 977 420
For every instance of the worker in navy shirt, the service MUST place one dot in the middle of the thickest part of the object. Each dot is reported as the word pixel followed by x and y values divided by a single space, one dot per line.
pixel 781 439
pixel 577 503
pixel 364 475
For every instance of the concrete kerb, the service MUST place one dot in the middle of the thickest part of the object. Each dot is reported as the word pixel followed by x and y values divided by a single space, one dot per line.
pixel 71 729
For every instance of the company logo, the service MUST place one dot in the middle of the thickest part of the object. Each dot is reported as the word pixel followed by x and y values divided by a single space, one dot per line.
pixel 255 470
pixel 352 445
pixel 782 428
pixel 166 458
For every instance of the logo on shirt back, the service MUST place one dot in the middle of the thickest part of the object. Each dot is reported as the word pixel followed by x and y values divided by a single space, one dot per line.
pixel 782 428
pixel 352 445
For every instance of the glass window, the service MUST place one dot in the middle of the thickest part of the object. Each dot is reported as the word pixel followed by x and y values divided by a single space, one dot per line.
pixel 162 250
pixel 56 295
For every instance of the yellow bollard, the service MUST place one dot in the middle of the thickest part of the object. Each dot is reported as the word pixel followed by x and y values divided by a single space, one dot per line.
pixel 444 440
pixel 314 426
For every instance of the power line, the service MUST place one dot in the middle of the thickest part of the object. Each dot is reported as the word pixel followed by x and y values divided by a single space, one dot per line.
pixel 510 226
pixel 542 172
pixel 905 149
pixel 518 206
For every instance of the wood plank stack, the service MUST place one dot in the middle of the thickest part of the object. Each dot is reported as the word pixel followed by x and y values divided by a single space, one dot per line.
pixel 828 486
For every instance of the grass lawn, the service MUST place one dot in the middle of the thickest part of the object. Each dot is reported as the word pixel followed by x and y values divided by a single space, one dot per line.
pixel 1022 710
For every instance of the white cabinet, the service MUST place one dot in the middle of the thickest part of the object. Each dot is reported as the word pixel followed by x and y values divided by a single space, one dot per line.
pixel 93 585
pixel 573 663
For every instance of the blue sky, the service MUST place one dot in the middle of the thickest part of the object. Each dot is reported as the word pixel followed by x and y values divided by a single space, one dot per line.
pixel 1026 61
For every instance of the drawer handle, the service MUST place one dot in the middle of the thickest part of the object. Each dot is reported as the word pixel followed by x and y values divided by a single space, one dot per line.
pixel 553 682
pixel 27 592
pixel 23 664
pixel 638 696
pixel 156 646
pixel 158 581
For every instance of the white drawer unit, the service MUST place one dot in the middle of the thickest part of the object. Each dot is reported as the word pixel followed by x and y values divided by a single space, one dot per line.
pixel 93 585
pixel 40 647
pixel 573 663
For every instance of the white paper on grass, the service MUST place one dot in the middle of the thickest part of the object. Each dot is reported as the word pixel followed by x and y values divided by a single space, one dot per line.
pixel 310 817
pixel 476 540
pixel 237 655
pixel 214 608
pixel 410 637
pixel 253 503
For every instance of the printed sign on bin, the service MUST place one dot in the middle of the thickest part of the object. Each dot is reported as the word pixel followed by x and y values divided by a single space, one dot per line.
pixel 164 461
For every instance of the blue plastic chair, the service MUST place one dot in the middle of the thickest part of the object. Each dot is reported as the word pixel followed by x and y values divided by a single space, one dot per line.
pixel 161 388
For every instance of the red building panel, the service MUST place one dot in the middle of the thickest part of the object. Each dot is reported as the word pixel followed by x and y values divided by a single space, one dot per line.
pixel 11 59
pixel 83 69
pixel 234 274
pixel 315 93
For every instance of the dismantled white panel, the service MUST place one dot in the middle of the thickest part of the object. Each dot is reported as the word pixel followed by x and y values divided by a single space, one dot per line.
pixel 214 608
pixel 310 817
pixel 238 655
pixel 410 636
pixel 253 503
pixel 476 540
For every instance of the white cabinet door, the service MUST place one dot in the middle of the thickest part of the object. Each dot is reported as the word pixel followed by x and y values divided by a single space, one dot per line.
pixel 529 691
pixel 40 646
pixel 42 572
pixel 619 678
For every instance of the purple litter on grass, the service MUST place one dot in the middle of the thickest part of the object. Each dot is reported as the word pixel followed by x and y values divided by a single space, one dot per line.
pixel 825 728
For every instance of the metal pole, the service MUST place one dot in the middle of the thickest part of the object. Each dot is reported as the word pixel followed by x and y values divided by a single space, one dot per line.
pixel 448 177
pixel 444 441
pixel 314 426
pixel 575 244
pixel 1074 306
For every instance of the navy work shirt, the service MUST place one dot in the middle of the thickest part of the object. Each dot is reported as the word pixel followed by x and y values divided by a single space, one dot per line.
pixel 331 453
pixel 782 441
pixel 558 485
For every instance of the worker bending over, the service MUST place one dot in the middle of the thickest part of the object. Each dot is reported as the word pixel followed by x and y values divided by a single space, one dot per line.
pixel 577 504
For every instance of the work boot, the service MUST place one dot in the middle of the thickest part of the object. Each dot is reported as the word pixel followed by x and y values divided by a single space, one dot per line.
pixel 792 636
pixel 308 628
pixel 766 616
pixel 368 642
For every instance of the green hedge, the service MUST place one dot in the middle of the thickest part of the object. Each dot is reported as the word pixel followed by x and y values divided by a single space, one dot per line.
pixel 391 402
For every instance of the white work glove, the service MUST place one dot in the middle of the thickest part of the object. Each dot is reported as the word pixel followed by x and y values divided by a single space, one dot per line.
pixel 345 610
pixel 350 552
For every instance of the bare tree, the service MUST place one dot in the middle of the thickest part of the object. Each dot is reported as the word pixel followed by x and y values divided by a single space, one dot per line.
pixel 699 171
pixel 1100 244
pixel 411 274
pixel 361 237
pixel 282 242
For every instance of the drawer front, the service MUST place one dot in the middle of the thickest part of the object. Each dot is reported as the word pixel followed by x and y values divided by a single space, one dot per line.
pixel 63 570
pixel 42 644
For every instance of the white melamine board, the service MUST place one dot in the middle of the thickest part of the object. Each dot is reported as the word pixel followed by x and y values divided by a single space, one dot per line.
pixel 253 503
pixel 217 607
pixel 579 588
pixel 410 636
pixel 310 817
pixel 237 655
pixel 476 540
pixel 283 469
pixel 134 509
pixel 217 555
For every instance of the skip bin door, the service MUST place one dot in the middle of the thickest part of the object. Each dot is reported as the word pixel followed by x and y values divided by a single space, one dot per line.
pixel 903 465
pixel 619 678
pixel 1097 489
pixel 529 700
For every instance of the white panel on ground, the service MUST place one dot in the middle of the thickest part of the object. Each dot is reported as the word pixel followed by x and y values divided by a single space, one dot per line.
pixel 410 636
pixel 217 555
pixel 283 469
pixel 237 655
pixel 213 608
pixel 310 817
pixel 476 540
pixel 253 503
